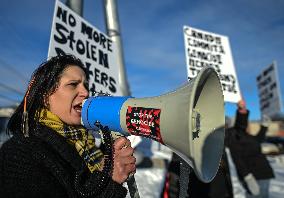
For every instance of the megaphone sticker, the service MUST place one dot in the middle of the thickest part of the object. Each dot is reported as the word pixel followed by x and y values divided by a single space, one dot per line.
pixel 144 122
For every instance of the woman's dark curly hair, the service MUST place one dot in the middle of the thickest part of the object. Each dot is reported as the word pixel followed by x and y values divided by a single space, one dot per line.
pixel 44 82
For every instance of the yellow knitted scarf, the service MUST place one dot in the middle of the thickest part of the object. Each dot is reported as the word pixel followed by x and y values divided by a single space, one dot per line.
pixel 76 136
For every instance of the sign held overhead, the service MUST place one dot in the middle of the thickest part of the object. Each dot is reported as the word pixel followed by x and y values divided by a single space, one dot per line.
pixel 208 49
pixel 269 91
pixel 71 34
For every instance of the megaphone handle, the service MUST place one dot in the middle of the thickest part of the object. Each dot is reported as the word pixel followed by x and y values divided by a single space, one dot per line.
pixel 184 178
pixel 131 183
pixel 132 187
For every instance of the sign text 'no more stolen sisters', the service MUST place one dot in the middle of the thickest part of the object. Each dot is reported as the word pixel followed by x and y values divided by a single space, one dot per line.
pixel 71 34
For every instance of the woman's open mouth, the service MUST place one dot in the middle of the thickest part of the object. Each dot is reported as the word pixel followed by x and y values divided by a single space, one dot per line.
pixel 78 108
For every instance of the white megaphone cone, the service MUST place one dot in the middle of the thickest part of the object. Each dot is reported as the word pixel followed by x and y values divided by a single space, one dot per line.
pixel 189 120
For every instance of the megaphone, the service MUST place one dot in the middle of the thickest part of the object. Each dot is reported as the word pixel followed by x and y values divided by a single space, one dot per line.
pixel 189 120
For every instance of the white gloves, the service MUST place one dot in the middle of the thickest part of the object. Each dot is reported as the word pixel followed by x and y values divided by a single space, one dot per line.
pixel 265 120
pixel 252 184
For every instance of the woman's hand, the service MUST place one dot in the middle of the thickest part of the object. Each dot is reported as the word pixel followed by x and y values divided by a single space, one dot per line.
pixel 242 106
pixel 123 160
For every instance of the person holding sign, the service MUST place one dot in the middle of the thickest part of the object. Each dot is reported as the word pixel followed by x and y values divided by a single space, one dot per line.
pixel 50 153
pixel 253 169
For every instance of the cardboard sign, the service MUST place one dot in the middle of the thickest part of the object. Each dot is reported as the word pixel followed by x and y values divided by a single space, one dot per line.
pixel 269 91
pixel 208 49
pixel 71 34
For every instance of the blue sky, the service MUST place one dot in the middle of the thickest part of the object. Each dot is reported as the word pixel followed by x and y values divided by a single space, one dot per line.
pixel 152 36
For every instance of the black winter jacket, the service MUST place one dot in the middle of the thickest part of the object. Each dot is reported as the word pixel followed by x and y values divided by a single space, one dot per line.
pixel 45 165
pixel 246 150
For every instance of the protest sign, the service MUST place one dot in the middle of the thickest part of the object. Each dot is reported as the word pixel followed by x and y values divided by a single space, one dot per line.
pixel 269 91
pixel 204 48
pixel 71 34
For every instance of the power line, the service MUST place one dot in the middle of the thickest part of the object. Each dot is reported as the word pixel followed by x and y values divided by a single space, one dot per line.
pixel 13 70
pixel 11 89
pixel 8 98
pixel 11 28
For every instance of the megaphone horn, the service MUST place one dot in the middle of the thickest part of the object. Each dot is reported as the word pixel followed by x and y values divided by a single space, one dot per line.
pixel 189 120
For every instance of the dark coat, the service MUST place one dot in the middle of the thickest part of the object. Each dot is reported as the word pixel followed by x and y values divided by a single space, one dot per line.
pixel 45 165
pixel 219 187
pixel 246 150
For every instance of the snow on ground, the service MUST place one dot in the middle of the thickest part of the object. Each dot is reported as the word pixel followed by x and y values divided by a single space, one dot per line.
pixel 276 189
pixel 277 184
pixel 150 179
pixel 151 176
pixel 149 182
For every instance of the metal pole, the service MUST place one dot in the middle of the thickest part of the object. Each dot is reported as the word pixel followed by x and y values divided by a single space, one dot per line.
pixel 113 31
pixel 76 6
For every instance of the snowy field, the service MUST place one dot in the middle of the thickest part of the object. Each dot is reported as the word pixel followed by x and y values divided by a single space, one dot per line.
pixel 150 180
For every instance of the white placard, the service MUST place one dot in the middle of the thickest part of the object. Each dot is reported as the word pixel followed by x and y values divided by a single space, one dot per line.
pixel 204 48
pixel 71 34
pixel 269 91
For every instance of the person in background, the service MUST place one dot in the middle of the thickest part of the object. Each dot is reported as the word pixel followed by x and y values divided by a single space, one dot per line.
pixel 253 169
pixel 219 187
pixel 50 153
pixel 171 188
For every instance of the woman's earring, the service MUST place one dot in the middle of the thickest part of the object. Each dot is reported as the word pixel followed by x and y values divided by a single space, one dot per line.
pixel 25 116
pixel 45 101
